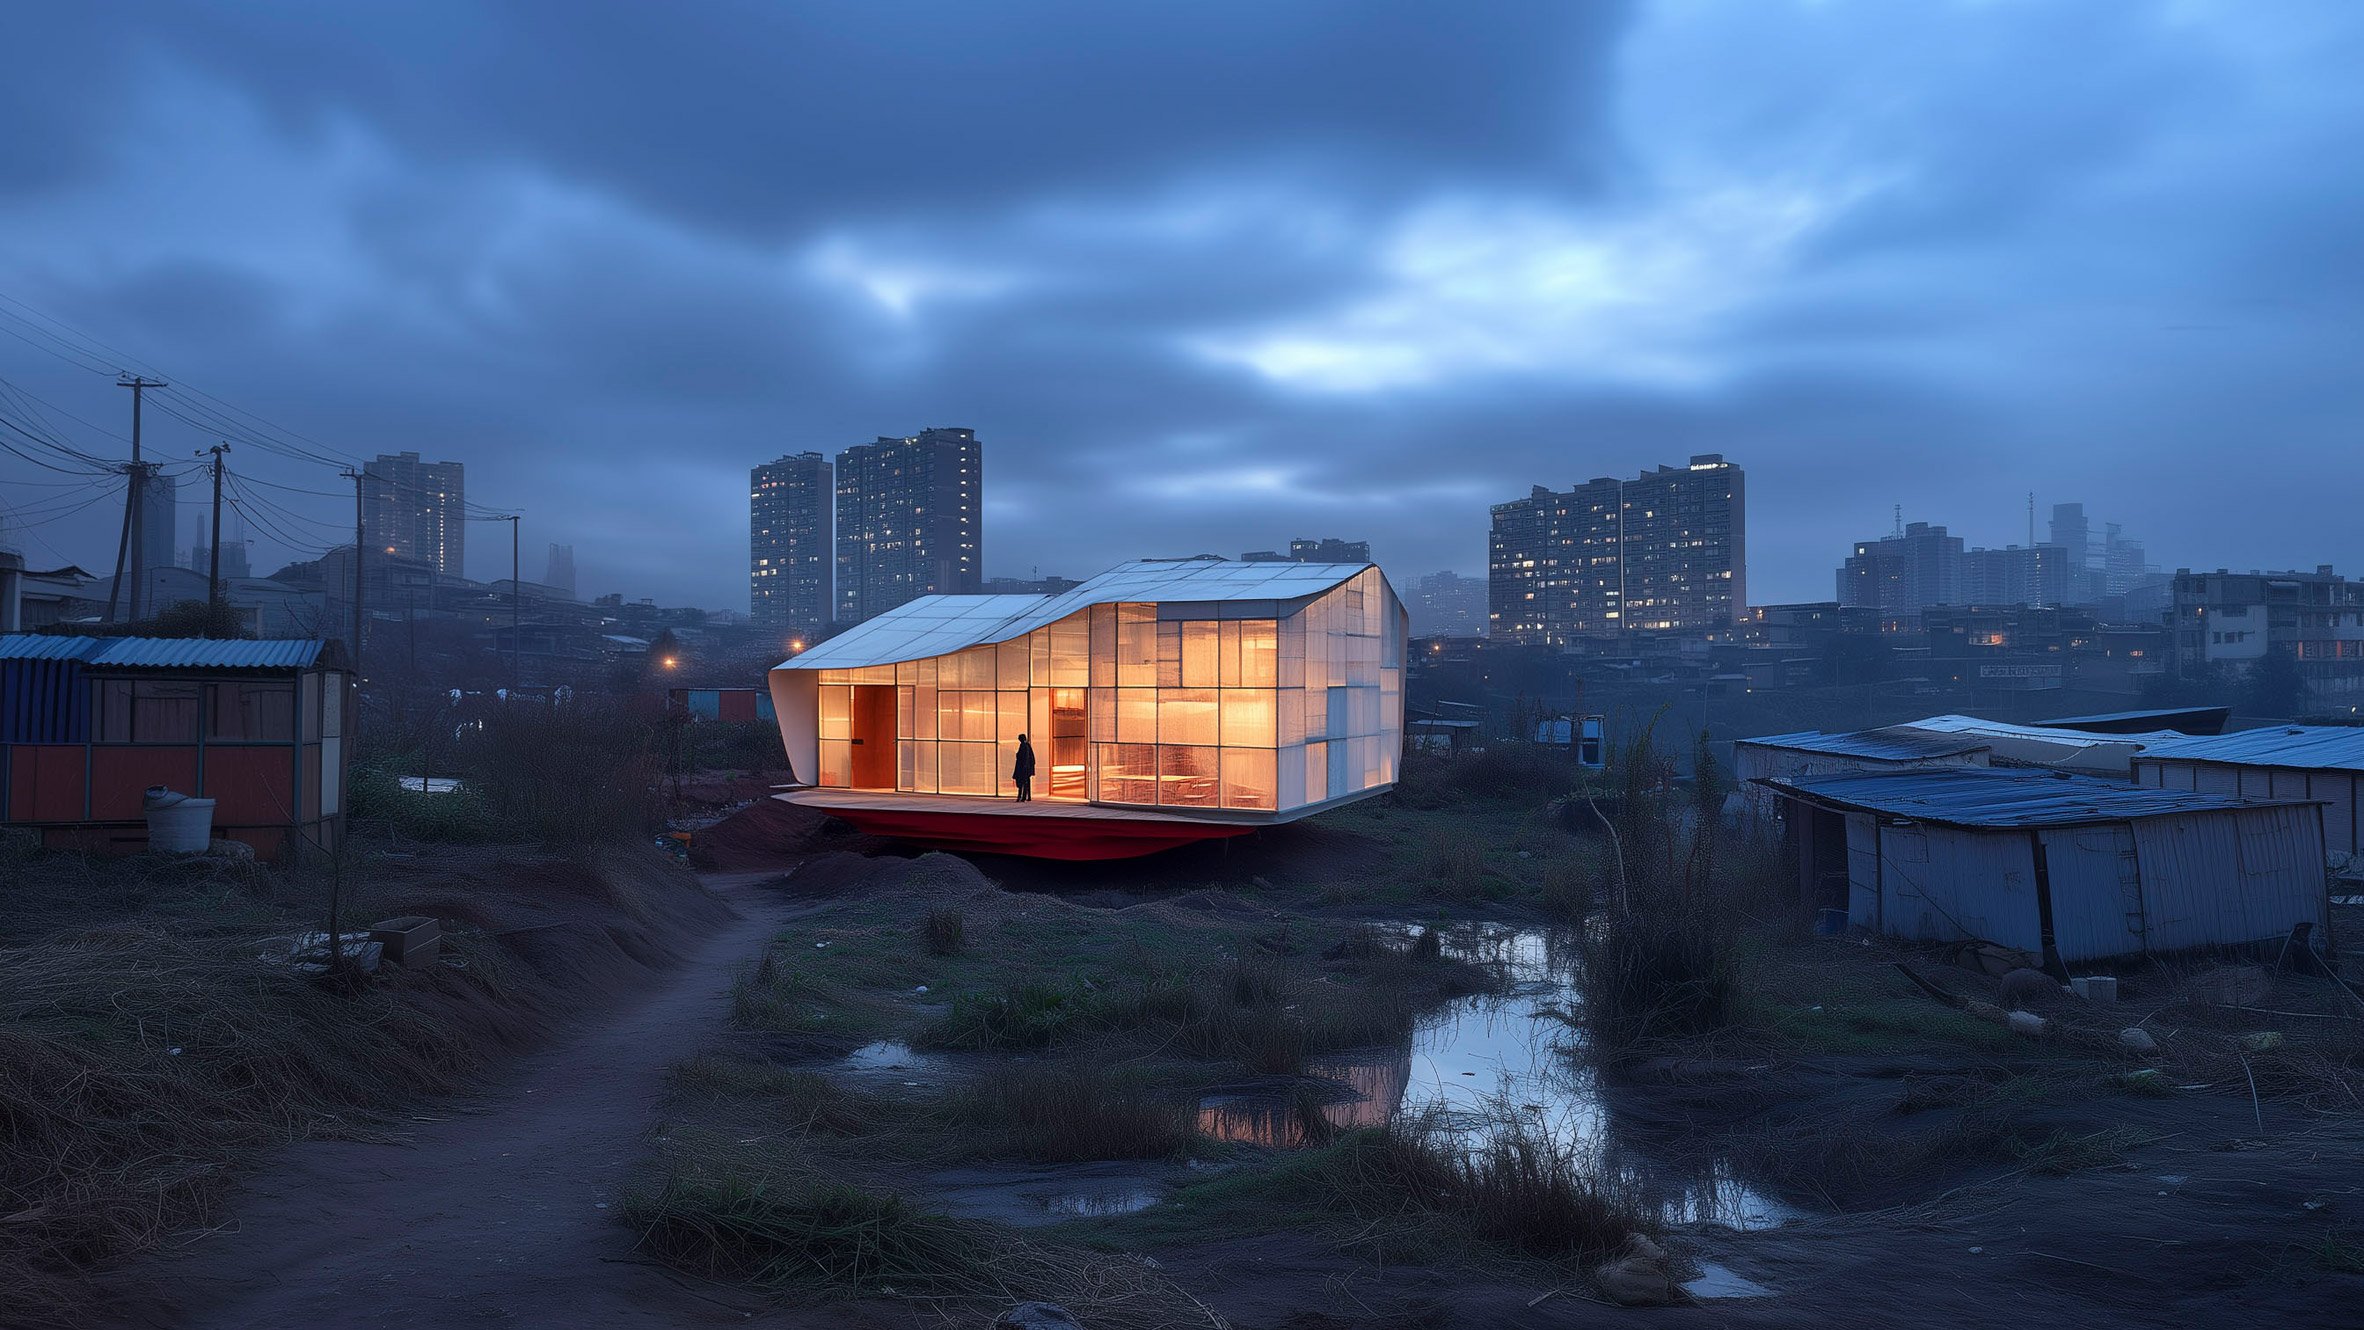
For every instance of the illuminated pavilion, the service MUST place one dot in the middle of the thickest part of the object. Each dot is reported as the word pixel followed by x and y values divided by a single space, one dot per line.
pixel 1167 701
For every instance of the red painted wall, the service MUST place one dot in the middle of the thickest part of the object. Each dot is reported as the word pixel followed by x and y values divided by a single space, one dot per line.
pixel 120 777
pixel 45 783
pixel 251 787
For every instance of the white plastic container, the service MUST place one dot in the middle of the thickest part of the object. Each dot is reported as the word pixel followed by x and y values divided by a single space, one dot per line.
pixel 178 824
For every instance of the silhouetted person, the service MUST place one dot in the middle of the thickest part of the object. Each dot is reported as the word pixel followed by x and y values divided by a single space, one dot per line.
pixel 1023 771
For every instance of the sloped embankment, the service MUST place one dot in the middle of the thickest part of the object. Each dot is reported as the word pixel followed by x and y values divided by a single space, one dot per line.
pixel 150 1047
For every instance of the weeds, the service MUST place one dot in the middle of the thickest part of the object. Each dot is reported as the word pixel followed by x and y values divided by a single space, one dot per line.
pixel 1071 1111
pixel 2065 1152
pixel 807 1101
pixel 797 1231
pixel 782 1233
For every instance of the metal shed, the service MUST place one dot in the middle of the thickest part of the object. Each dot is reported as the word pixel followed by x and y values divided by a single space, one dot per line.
pixel 1815 753
pixel 87 724
pixel 2320 762
pixel 2067 866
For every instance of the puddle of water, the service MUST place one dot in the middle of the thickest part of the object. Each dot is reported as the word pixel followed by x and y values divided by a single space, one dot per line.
pixel 428 784
pixel 1472 1058
pixel 1716 1281
pixel 892 1060
pixel 1124 1201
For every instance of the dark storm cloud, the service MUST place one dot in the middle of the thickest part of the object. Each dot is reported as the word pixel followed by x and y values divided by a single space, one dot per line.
pixel 1208 277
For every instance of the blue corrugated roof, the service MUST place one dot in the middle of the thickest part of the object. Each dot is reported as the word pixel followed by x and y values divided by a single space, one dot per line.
pixel 2305 747
pixel 43 646
pixel 164 653
pixel 1897 743
pixel 2007 798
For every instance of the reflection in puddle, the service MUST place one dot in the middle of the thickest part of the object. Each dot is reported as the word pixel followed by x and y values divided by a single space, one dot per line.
pixel 888 1055
pixel 1123 1201
pixel 1466 1063
pixel 1716 1281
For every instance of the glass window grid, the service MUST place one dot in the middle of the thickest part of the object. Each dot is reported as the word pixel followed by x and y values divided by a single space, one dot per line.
pixel 1187 713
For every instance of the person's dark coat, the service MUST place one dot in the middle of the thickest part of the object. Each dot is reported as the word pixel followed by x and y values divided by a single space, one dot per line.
pixel 1024 768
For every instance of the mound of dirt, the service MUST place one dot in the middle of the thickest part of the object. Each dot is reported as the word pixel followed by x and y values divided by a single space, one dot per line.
pixel 769 834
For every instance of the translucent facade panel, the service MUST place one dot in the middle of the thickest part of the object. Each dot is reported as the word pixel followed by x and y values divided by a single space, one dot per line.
pixel 1249 718
pixel 978 719
pixel 920 716
pixel 837 763
pixel 1104 649
pixel 1291 703
pixel 1012 666
pixel 1102 703
pixel 1070 652
pixel 1251 653
pixel 836 719
pixel 1317 772
pixel 1188 777
pixel 1136 646
pixel 968 768
pixel 1136 715
pixel 1201 639
pixel 1187 716
pixel 1248 778
pixel 1127 773
pixel 1012 708
pixel 923 768
pixel 973 668
pixel 1169 654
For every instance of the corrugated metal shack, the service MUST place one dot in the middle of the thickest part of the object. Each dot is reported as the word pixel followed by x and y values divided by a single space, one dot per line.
pixel 2320 762
pixel 2095 868
pixel 87 724
pixel 1816 753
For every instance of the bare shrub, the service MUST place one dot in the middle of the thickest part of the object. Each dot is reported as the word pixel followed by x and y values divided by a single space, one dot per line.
pixel 946 933
pixel 569 775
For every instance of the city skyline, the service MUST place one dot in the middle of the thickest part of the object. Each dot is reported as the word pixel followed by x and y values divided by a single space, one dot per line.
pixel 1271 297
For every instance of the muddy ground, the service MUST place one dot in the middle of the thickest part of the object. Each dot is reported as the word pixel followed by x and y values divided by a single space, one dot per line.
pixel 1942 1172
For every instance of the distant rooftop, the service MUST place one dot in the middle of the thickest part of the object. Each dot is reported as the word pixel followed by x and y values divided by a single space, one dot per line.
pixel 187 653
pixel 1984 797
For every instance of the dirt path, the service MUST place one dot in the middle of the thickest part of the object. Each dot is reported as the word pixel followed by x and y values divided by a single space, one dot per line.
pixel 501 1212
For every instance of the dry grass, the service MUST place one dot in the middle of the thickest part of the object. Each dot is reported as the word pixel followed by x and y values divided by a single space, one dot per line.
pixel 1070 1111
pixel 799 1232
pixel 148 1049
pixel 138 1067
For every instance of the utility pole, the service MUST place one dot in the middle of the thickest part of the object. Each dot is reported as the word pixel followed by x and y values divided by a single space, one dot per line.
pixel 135 524
pixel 213 572
pixel 352 723
pixel 514 620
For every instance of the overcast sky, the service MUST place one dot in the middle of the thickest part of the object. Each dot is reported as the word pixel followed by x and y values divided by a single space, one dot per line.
pixel 1208 276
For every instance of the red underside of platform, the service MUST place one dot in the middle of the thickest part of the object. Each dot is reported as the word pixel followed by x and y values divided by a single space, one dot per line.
pixel 1036 837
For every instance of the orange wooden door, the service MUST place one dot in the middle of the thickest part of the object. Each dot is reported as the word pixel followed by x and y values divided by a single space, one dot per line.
pixel 874 737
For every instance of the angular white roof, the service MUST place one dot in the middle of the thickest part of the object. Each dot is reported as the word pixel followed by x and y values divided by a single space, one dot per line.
pixel 940 625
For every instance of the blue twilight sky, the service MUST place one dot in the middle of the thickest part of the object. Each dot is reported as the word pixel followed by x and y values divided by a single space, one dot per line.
pixel 1208 276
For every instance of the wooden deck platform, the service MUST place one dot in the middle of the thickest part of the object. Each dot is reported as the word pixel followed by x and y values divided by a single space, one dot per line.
pixel 1039 828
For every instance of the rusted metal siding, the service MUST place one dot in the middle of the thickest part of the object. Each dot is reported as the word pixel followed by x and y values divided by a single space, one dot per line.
pixel 1944 884
pixel 1863 871
pixel 2096 888
pixel 2216 780
pixel 2341 792
pixel 2214 879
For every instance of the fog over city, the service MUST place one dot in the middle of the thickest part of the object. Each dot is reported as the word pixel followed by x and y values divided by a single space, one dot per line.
pixel 1210 277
